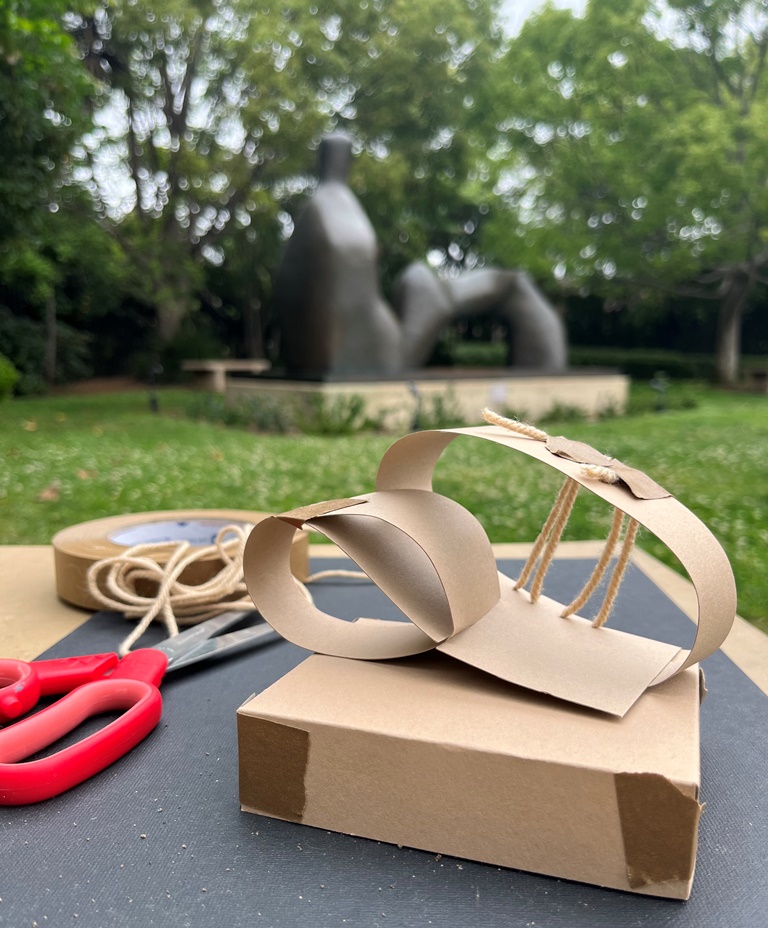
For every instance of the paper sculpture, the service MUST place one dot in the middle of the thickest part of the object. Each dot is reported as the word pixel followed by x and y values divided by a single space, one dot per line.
pixel 441 751
pixel 435 562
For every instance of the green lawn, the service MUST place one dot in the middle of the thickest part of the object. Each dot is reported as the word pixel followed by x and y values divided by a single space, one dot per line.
pixel 103 455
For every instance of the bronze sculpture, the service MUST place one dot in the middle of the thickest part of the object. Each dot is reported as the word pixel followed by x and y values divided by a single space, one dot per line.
pixel 334 321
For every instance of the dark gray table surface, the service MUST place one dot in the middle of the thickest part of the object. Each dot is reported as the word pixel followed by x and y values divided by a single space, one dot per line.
pixel 159 839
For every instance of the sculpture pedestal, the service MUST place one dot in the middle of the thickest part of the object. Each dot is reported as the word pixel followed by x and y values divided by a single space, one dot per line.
pixel 463 391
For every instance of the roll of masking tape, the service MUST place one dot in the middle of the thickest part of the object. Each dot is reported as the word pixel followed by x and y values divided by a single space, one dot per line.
pixel 78 547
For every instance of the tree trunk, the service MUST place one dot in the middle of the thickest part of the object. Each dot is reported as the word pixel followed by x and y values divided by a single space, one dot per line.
pixel 170 313
pixel 252 334
pixel 50 340
pixel 728 349
pixel 173 304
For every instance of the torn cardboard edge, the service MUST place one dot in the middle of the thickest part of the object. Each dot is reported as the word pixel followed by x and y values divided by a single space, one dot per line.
pixel 435 562
pixel 659 828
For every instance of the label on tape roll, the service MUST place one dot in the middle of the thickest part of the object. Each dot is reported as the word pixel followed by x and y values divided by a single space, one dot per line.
pixel 198 532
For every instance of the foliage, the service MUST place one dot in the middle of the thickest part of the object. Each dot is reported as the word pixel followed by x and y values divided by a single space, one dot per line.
pixel 316 414
pixel 679 396
pixel 109 454
pixel 310 415
pixel 638 363
pixel 8 377
pixel 263 414
pixel 641 364
pixel 24 341
pixel 632 156
pixel 562 412
pixel 438 411
pixel 210 109
pixel 53 256
pixel 43 96
pixel 57 279
pixel 417 77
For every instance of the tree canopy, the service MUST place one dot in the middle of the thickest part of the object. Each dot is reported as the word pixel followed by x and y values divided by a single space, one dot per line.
pixel 632 157
pixel 618 153
pixel 208 110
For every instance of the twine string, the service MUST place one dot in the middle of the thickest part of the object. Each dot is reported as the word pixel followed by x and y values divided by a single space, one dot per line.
pixel 116 582
pixel 618 573
pixel 545 545
pixel 552 533
pixel 597 574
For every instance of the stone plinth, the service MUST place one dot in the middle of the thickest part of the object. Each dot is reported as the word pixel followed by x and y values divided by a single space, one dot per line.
pixel 526 395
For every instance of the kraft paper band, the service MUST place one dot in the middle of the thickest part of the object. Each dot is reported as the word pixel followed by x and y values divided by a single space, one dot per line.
pixel 434 560
pixel 78 547
pixel 410 462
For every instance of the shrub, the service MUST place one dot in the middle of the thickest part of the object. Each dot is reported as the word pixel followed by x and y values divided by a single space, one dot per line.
pixel 8 377
pixel 23 342
pixel 264 414
pixel 438 411
pixel 338 415
pixel 644 364
pixel 637 363
pixel 562 412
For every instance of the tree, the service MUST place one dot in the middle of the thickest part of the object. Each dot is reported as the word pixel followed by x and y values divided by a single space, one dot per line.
pixel 632 153
pixel 417 80
pixel 210 107
pixel 44 94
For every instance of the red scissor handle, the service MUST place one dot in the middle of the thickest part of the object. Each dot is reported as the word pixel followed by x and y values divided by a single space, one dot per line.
pixel 133 687
pixel 22 684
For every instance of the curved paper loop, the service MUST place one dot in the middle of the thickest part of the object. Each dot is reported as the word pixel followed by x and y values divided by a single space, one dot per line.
pixel 425 551
pixel 410 463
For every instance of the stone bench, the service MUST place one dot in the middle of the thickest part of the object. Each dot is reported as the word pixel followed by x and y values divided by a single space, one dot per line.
pixel 211 374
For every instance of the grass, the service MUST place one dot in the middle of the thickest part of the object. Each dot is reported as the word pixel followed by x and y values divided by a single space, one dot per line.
pixel 91 456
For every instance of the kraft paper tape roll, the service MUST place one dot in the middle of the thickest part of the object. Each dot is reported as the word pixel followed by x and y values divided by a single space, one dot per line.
pixel 78 547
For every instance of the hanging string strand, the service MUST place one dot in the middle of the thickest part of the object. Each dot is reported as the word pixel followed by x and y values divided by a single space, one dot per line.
pixel 546 544
pixel 568 494
pixel 597 574
pixel 544 534
pixel 618 573
pixel 544 547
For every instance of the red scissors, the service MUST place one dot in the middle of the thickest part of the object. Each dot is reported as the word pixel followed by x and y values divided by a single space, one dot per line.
pixel 95 684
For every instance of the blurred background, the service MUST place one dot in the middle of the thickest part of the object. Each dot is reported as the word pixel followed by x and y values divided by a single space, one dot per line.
pixel 154 156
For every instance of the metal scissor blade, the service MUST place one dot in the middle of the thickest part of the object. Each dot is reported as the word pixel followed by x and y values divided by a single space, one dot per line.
pixel 188 641
pixel 240 640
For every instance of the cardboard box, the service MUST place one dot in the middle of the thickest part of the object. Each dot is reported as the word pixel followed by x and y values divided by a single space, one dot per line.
pixel 526 735
pixel 432 754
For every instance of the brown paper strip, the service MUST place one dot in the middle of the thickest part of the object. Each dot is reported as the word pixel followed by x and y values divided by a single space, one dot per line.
pixel 411 462
pixel 425 551
pixel 640 484
pixel 299 516
pixel 577 451
pixel 533 646
pixel 659 826
pixel 278 598
pixel 273 764
pixel 434 560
